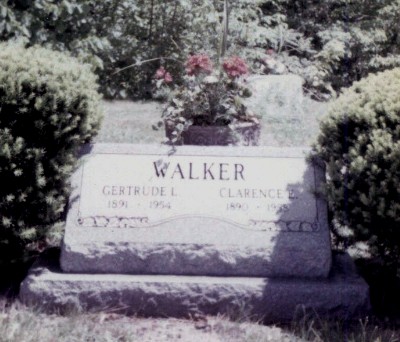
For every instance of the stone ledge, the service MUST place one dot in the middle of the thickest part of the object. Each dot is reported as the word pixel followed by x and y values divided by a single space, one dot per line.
pixel 343 295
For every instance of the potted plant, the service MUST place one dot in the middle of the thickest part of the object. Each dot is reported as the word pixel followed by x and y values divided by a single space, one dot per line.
pixel 208 109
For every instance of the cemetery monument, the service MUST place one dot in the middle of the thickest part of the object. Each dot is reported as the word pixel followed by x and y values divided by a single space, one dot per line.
pixel 202 230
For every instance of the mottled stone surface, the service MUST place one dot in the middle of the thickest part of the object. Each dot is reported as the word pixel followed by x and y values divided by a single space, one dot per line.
pixel 342 295
pixel 276 95
pixel 197 232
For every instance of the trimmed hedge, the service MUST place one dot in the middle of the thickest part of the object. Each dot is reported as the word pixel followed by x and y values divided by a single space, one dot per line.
pixel 49 107
pixel 360 144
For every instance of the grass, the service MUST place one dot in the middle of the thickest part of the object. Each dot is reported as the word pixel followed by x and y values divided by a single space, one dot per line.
pixel 18 323
pixel 131 122
pixel 128 122
pixel 315 330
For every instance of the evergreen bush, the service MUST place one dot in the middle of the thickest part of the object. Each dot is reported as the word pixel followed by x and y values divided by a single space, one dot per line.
pixel 49 107
pixel 360 144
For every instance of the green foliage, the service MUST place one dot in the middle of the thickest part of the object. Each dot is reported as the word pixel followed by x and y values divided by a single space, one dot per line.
pixel 139 31
pixel 330 43
pixel 49 107
pixel 360 144
pixel 114 34
pixel 347 38
pixel 65 25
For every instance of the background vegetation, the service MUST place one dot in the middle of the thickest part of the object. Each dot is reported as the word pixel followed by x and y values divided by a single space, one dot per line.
pixel 331 43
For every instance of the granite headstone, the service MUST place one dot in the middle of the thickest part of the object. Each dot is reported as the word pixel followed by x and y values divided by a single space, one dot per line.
pixel 221 211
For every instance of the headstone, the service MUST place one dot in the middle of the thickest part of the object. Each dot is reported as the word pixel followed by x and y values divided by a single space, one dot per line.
pixel 198 230
pixel 219 211
pixel 288 117
pixel 276 96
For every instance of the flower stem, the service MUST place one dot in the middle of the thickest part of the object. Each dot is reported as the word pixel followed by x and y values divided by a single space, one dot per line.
pixel 225 27
pixel 146 61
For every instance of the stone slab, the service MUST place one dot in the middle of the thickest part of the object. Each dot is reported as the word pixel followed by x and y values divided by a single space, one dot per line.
pixel 343 295
pixel 276 95
pixel 236 211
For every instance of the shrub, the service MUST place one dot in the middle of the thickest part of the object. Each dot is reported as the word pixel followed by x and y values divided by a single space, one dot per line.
pixel 49 107
pixel 360 144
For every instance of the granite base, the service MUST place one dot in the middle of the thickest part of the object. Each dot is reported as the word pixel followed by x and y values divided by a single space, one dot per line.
pixel 343 295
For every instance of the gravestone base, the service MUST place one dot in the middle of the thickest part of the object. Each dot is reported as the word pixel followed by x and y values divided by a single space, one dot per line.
pixel 342 295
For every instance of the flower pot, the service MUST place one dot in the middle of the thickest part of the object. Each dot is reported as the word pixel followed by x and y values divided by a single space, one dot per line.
pixel 240 134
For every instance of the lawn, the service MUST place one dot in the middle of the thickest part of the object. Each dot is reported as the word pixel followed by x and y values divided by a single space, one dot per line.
pixel 131 122
pixel 18 323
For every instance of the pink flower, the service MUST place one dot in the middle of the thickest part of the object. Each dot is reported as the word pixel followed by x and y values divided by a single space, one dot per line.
pixel 198 63
pixel 167 77
pixel 162 74
pixel 235 67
